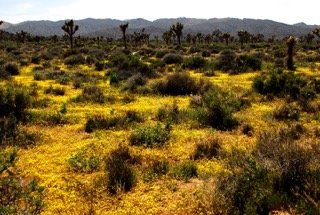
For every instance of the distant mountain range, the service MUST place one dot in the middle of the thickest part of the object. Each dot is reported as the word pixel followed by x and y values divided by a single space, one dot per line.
pixel 110 27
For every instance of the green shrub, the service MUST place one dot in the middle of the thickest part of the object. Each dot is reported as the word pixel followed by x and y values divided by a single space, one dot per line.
pixel 281 84
pixel 172 58
pixel 196 62
pixel 99 66
pixel 207 147
pixel 136 80
pixel 12 69
pixel 178 83
pixel 14 99
pixel 156 169
pixel 75 60
pixel 83 161
pixel 185 170
pixel 121 176
pixel 170 113
pixel 217 108
pixel 151 136
pixel 35 59
pixel 57 91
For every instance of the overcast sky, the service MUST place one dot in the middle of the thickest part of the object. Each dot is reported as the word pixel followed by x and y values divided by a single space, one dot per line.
pixel 286 11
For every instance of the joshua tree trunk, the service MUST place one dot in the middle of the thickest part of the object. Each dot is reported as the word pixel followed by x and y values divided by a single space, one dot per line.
pixel 290 43
pixel 123 28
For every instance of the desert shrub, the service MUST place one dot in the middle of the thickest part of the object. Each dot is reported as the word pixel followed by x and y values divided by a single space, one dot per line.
pixel 91 93
pixel 172 58
pixel 35 59
pixel 12 69
pixel 161 53
pixel 117 59
pixel 206 147
pixel 246 62
pixel 14 99
pixel 247 129
pixel 206 53
pixel 136 80
pixel 54 75
pixel 156 169
pixel 74 60
pixel 151 136
pixel 286 112
pixel 18 195
pixel 84 161
pixel 39 76
pixel 121 176
pixel 168 113
pixel 185 170
pixel 46 56
pixel 178 83
pixel 226 60
pixel 279 63
pixel 57 91
pixel 279 83
pixel 91 60
pixel 100 65
pixel 196 62
pixel 216 109
pixel 107 122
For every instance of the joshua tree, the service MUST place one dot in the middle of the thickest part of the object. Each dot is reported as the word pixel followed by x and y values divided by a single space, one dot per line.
pixel 166 36
pixel 244 36
pixel 317 31
pixel 290 43
pixel 226 36
pixel 70 29
pixel 123 28
pixel 177 30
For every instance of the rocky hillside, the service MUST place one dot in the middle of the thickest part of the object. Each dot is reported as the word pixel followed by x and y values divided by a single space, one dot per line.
pixel 110 27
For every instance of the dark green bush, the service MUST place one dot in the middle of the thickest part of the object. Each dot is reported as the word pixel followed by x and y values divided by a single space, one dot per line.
pixel 216 109
pixel 196 62
pixel 178 83
pixel 100 65
pixel 281 84
pixel 35 59
pixel 172 58
pixel 12 69
pixel 121 176
pixel 75 60
pixel 14 99
pixel 226 60
pixel 151 136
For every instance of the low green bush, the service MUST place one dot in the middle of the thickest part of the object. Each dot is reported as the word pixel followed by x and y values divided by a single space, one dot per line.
pixel 185 170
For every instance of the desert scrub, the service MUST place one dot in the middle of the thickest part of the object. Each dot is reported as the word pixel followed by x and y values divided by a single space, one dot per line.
pixel 91 93
pixel 196 62
pixel 107 122
pixel 84 161
pixel 207 147
pixel 18 195
pixel 118 166
pixel 57 91
pixel 151 136
pixel 156 169
pixel 185 170
pixel 216 109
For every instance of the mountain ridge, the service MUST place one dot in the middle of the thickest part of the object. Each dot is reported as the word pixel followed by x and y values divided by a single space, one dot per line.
pixel 110 27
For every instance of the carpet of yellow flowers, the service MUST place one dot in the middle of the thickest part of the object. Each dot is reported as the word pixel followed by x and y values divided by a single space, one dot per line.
pixel 70 192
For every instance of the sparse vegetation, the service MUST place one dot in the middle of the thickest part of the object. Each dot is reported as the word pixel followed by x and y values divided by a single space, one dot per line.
pixel 183 124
